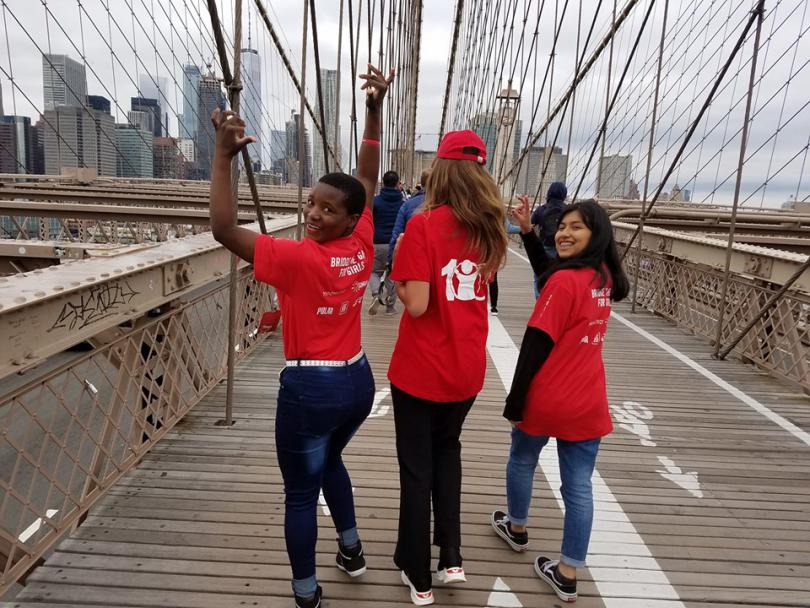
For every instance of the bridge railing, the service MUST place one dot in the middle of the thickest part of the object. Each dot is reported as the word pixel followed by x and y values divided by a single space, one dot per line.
pixel 681 278
pixel 70 434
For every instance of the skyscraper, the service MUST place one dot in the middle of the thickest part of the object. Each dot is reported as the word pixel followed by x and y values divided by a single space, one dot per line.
pixel 278 145
pixel 147 104
pixel 191 99
pixel 210 97
pixel 135 152
pixel 64 82
pixel 157 88
pixel 614 177
pixel 531 170
pixel 251 102
pixel 329 87
pixel 17 145
pixel 168 161
pixel 106 136
pixel 292 165
pixel 75 144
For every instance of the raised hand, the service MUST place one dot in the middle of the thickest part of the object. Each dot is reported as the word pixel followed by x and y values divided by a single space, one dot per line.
pixel 376 86
pixel 230 133
pixel 522 214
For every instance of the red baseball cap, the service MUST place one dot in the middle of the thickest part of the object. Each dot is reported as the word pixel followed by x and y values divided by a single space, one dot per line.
pixel 463 145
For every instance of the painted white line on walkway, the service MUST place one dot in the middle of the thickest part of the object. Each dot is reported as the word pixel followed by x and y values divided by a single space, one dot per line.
pixel 378 411
pixel 755 405
pixel 34 527
pixel 613 534
pixel 502 596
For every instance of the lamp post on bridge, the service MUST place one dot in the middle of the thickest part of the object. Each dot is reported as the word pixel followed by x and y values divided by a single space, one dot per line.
pixel 508 100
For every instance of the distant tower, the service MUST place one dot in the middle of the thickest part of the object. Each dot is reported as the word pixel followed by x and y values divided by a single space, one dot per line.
pixel 156 87
pixel 210 97
pixel 329 86
pixel 504 144
pixel 64 82
pixel 191 99
pixel 251 101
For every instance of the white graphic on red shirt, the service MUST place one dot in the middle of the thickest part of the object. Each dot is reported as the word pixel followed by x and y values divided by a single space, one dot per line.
pixel 461 281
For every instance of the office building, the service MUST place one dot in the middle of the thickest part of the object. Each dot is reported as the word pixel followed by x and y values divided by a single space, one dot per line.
pixel 135 152
pixel 157 88
pixel 70 139
pixel 531 171
pixel 251 102
pixel 329 88
pixel 64 82
pixel 191 99
pixel 16 144
pixel 210 97
pixel 106 135
pixel 614 177
pixel 168 160
pixel 292 164
pixel 150 105
pixel 278 145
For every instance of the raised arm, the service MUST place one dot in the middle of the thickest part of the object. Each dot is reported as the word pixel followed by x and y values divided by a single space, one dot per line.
pixel 368 158
pixel 230 139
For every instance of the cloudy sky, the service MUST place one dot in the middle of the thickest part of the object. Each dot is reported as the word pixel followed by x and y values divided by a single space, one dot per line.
pixel 157 37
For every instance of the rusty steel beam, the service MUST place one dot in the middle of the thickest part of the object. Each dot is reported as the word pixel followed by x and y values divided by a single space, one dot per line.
pixel 43 312
pixel 84 211
pixel 772 265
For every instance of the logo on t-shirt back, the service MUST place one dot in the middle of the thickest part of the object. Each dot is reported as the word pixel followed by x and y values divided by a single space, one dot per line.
pixel 462 281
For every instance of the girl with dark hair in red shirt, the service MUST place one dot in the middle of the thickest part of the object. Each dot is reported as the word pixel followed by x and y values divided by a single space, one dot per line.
pixel 326 388
pixel 558 389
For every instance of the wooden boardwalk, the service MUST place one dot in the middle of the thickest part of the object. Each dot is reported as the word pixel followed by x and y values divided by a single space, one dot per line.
pixel 703 499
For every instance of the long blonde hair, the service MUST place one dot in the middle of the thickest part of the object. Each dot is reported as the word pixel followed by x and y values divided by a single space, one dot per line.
pixel 471 193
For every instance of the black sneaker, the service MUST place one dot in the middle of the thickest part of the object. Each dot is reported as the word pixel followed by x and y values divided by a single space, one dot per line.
pixel 351 561
pixel 547 569
pixel 312 601
pixel 518 541
pixel 494 311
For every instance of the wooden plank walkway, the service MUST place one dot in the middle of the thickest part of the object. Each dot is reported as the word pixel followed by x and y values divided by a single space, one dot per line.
pixel 701 500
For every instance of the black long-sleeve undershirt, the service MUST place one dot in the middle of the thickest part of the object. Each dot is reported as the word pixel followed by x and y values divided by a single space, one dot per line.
pixel 534 350
pixel 535 252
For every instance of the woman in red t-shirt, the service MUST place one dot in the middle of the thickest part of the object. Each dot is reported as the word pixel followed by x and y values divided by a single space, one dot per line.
pixel 558 389
pixel 326 387
pixel 441 268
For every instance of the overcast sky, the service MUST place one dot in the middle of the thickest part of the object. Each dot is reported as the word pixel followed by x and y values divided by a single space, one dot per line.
pixel 158 37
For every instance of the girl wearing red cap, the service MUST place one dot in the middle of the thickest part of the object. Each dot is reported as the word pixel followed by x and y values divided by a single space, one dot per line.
pixel 326 387
pixel 441 266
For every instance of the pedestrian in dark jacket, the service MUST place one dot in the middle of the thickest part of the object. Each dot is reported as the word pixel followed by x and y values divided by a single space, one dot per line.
pixel 386 208
pixel 545 219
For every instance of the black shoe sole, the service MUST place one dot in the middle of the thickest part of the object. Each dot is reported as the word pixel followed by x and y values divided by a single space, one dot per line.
pixel 566 597
pixel 518 548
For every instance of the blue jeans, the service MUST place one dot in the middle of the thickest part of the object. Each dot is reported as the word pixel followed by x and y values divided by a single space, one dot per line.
pixel 319 410
pixel 577 462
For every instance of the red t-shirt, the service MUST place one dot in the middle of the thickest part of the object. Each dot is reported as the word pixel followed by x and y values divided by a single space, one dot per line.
pixel 567 398
pixel 441 355
pixel 320 288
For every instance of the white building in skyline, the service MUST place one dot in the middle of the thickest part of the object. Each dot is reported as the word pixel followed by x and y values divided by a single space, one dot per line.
pixel 329 87
pixel 614 177
pixel 251 103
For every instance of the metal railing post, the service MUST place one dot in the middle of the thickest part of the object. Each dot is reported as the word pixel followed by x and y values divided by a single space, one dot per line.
pixel 760 13
pixel 637 268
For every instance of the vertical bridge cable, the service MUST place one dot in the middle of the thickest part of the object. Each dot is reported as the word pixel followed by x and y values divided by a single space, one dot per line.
pixel 451 65
pixel 316 51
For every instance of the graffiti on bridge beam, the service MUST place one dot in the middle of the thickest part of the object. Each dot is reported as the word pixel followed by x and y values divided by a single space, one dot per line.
pixel 98 303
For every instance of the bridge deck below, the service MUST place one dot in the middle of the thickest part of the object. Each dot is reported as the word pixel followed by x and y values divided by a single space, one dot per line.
pixel 702 498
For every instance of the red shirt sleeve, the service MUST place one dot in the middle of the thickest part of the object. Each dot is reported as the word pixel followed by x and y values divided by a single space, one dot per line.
pixel 412 262
pixel 555 305
pixel 275 261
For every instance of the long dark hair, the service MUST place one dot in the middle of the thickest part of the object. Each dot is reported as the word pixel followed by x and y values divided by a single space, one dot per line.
pixel 601 251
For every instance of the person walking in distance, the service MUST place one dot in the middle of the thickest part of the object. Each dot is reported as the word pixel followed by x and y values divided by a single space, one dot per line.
pixel 545 218
pixel 326 387
pixel 442 266
pixel 386 207
pixel 558 390
pixel 406 211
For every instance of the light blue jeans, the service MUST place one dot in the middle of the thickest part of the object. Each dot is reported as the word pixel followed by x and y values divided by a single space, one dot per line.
pixel 577 462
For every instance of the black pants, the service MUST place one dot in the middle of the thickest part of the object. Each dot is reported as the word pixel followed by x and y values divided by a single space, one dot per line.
pixel 493 291
pixel 429 454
